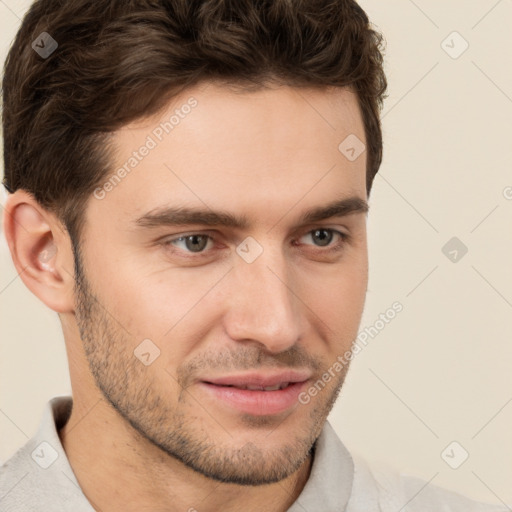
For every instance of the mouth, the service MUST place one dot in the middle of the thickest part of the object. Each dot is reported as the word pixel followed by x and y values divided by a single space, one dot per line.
pixel 257 393
pixel 251 387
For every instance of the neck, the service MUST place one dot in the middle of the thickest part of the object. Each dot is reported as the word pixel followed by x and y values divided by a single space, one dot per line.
pixel 119 470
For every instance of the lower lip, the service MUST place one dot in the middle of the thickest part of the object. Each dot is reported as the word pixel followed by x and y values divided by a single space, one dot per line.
pixel 258 403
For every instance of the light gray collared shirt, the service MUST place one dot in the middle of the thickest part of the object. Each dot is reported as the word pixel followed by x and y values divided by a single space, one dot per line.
pixel 39 478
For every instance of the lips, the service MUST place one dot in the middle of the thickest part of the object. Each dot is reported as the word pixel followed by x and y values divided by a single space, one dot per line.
pixel 260 381
pixel 262 388
pixel 257 393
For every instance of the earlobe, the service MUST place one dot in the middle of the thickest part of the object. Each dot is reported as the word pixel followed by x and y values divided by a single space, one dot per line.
pixel 40 251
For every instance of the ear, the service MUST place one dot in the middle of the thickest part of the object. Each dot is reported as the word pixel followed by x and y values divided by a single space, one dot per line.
pixel 41 251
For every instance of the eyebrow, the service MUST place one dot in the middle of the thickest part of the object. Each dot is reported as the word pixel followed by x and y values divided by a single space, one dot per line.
pixel 180 216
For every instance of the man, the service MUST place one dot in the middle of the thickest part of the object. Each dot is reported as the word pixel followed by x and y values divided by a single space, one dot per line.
pixel 189 186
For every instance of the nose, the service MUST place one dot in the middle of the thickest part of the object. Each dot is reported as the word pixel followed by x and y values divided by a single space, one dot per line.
pixel 262 305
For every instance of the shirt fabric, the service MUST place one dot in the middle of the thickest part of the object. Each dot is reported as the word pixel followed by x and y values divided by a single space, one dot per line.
pixel 39 478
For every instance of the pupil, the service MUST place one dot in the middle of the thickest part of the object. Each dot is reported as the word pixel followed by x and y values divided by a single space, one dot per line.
pixel 323 240
pixel 193 244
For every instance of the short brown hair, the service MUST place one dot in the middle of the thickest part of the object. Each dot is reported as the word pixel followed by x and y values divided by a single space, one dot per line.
pixel 120 60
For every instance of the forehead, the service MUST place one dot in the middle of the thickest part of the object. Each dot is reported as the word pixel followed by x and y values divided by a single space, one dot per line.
pixel 256 151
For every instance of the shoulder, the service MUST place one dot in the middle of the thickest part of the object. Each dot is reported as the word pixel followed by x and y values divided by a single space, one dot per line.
pixel 379 487
pixel 38 476
pixel 24 486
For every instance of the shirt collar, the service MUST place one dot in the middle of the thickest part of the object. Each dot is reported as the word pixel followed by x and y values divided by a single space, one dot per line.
pixel 329 485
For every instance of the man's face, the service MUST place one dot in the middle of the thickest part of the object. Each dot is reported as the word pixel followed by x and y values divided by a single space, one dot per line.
pixel 269 302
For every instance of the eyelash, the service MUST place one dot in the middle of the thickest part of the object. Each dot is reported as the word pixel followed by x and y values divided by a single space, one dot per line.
pixel 344 238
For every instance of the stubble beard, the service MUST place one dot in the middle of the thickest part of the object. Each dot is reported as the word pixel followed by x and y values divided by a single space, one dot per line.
pixel 132 389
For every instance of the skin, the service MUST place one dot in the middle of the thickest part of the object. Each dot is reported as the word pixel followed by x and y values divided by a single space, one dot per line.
pixel 269 155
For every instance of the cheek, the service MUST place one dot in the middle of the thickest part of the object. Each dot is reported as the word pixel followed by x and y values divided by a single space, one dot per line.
pixel 156 302
pixel 338 299
pixel 340 302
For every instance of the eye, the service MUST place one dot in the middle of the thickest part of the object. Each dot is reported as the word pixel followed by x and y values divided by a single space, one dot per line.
pixel 199 243
pixel 322 237
pixel 195 242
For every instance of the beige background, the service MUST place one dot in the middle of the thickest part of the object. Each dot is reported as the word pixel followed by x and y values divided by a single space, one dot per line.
pixel 440 371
